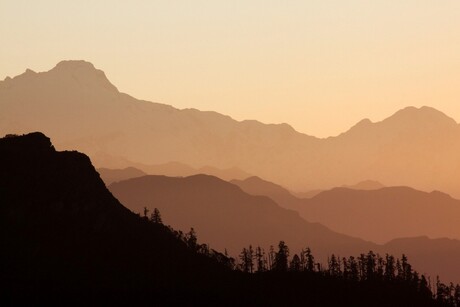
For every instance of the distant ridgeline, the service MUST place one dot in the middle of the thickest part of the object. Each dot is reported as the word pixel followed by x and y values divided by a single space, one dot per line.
pixel 66 240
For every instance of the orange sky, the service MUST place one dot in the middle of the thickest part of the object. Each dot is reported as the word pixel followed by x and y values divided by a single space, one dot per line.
pixel 320 66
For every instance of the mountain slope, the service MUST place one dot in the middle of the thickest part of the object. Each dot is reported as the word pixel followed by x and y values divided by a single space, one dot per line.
pixel 377 215
pixel 113 175
pixel 415 147
pixel 178 169
pixel 77 106
pixel 229 218
pixel 385 214
pixel 365 185
pixel 79 109
pixel 257 186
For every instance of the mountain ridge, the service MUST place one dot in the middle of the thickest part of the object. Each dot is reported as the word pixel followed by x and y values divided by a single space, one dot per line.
pixel 379 214
pixel 72 67
pixel 93 117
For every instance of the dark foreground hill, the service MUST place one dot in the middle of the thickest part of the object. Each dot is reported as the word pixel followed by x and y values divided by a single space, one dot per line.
pixel 67 241
pixel 63 232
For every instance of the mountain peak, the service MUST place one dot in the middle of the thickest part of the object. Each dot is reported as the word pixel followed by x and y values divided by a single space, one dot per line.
pixel 35 141
pixel 84 73
pixel 29 71
pixel 407 119
pixel 362 124
pixel 422 114
pixel 73 65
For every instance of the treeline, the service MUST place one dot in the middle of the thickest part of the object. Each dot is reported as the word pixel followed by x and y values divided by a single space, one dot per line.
pixel 371 268
pixel 190 239
pixel 364 267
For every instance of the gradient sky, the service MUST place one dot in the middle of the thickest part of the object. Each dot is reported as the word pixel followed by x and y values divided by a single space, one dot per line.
pixel 320 66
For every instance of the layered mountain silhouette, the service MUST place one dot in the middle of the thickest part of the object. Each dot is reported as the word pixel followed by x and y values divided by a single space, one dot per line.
pixel 384 214
pixel 362 185
pixel 365 185
pixel 67 241
pixel 113 175
pixel 377 215
pixel 172 169
pixel 257 186
pixel 79 108
pixel 227 217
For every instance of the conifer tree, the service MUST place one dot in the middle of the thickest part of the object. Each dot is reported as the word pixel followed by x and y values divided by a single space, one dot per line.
pixel 156 216
pixel 389 267
pixel 191 239
pixel 271 257
pixel 260 261
pixel 310 260
pixel 295 264
pixel 354 269
pixel 146 211
pixel 281 258
pixel 334 266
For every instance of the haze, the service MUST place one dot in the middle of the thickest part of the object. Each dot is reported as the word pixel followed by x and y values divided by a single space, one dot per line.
pixel 320 66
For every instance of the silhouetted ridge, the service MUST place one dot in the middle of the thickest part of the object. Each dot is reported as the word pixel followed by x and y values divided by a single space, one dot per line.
pixel 62 231
pixel 67 241
pixel 34 142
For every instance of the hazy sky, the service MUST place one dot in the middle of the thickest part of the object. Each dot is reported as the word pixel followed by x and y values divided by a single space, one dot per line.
pixel 320 66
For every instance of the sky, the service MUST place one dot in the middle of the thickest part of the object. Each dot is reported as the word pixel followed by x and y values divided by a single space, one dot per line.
pixel 320 65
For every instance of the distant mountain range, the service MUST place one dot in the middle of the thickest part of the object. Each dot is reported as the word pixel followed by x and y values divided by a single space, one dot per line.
pixel 173 169
pixel 385 214
pixel 378 215
pixel 365 185
pixel 113 175
pixel 79 108
pixel 227 218
pixel 362 185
